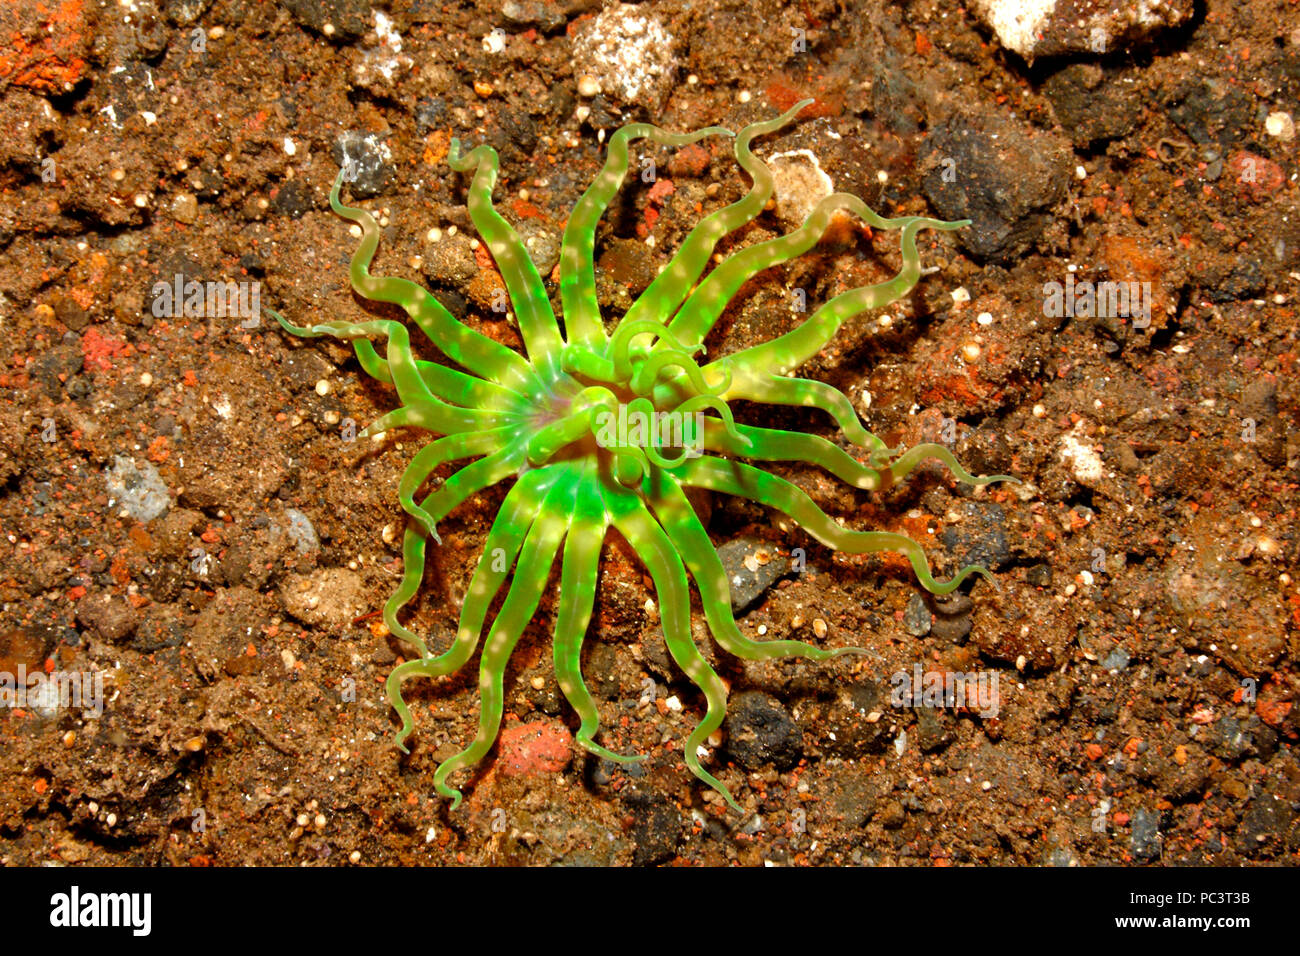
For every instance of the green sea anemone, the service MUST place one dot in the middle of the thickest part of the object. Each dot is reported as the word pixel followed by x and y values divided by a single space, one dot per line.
pixel 607 424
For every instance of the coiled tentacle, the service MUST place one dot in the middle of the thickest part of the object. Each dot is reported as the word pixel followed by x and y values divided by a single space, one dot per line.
pixel 620 344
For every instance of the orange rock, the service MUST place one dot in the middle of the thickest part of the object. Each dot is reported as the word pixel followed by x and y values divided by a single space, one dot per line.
pixel 45 45
pixel 1253 177
pixel 1129 260
pixel 1273 712
pixel 543 746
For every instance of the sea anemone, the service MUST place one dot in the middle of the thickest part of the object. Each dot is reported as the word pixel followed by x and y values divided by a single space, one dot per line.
pixel 606 424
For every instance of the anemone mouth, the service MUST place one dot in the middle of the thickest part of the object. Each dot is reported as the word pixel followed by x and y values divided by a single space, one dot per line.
pixel 610 430
pixel 627 432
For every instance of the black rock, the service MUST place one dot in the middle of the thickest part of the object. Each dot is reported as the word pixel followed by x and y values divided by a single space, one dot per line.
pixel 748 586
pixel 1264 825
pixel 292 199
pixel 760 731
pixel 1004 177
pixel 657 829
pixel 952 620
pixel 57 366
pixel 933 729
pixel 1093 104
pixel 981 538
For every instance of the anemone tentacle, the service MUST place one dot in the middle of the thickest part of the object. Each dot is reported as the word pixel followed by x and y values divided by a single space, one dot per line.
pixel 746 481
pixel 663 296
pixel 797 346
pixel 806 393
pixel 531 571
pixel 472 350
pixel 577 258
pixel 453 386
pixel 688 536
pixel 652 545
pixel 580 569
pixel 437 453
pixel 537 324
pixel 702 309
pixel 436 506
pixel 503 544
pixel 919 453
pixel 621 349
pixel 644 378
pixel 770 444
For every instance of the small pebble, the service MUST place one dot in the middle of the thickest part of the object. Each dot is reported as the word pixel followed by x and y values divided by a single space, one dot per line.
pixel 322 387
